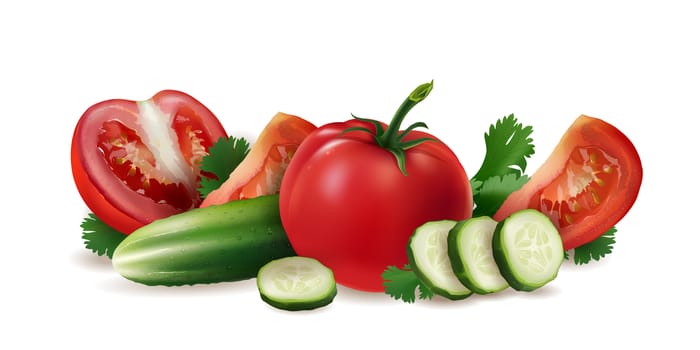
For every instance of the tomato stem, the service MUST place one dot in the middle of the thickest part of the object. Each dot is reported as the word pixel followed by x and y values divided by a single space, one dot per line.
pixel 392 139
pixel 390 136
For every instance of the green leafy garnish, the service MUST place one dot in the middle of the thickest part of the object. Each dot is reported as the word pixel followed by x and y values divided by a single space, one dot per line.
pixel 502 172
pixel 224 156
pixel 508 145
pixel 100 237
pixel 596 249
pixel 402 284
pixel 490 194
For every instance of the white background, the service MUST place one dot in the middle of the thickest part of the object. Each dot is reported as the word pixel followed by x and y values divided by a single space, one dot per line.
pixel 633 64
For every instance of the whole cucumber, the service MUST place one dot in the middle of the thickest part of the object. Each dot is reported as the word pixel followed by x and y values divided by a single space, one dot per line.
pixel 227 242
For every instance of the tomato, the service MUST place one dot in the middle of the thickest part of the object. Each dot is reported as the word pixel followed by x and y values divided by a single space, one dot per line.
pixel 352 196
pixel 588 183
pixel 260 173
pixel 137 161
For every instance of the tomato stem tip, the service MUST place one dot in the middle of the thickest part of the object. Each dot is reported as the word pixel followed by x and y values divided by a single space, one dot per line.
pixel 419 94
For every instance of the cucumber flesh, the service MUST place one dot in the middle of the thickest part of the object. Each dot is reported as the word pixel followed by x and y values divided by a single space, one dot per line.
pixel 469 246
pixel 427 254
pixel 296 283
pixel 528 249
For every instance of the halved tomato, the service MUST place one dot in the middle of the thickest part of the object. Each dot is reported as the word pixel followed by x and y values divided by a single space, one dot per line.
pixel 260 173
pixel 137 161
pixel 588 183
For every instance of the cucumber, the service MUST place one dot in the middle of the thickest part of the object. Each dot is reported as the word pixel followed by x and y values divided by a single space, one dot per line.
pixel 469 246
pixel 528 249
pixel 427 254
pixel 227 242
pixel 296 283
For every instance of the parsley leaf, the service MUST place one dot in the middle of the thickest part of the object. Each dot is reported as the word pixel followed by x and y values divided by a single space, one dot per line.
pixel 507 146
pixel 490 194
pixel 596 249
pixel 99 237
pixel 224 156
pixel 402 284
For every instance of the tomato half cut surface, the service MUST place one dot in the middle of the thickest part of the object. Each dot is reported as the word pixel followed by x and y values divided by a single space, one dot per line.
pixel 588 183
pixel 137 161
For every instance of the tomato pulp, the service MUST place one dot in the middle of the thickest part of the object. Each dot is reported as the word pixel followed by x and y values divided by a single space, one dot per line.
pixel 137 161
pixel 588 183
pixel 346 201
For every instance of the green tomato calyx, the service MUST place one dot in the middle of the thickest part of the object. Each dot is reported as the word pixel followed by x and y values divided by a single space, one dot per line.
pixel 391 138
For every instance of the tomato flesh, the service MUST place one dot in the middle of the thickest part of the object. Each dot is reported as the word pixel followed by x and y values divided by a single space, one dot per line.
pixel 260 173
pixel 586 186
pixel 268 180
pixel 133 162
pixel 137 161
pixel 588 179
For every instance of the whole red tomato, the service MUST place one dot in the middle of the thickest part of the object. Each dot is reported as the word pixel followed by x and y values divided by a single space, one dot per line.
pixel 137 161
pixel 354 192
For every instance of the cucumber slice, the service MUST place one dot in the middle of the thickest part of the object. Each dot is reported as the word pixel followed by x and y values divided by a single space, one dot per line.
pixel 296 283
pixel 427 253
pixel 469 248
pixel 528 249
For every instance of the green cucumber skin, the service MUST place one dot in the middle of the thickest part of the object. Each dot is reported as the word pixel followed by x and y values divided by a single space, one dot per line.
pixel 228 242
pixel 426 280
pixel 457 266
pixel 301 305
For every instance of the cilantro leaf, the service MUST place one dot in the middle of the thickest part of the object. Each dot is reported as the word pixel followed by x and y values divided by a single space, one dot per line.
pixel 402 284
pixel 490 194
pixel 224 156
pixel 99 237
pixel 596 249
pixel 476 185
pixel 423 291
pixel 507 146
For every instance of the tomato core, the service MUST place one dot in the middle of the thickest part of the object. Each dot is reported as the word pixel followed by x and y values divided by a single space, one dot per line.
pixel 586 181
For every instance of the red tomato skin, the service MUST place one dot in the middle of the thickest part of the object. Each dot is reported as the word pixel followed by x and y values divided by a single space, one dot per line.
pixel 107 196
pixel 344 201
pixel 584 132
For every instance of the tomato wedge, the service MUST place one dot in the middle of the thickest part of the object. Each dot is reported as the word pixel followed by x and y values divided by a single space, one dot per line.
pixel 588 183
pixel 137 161
pixel 260 173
